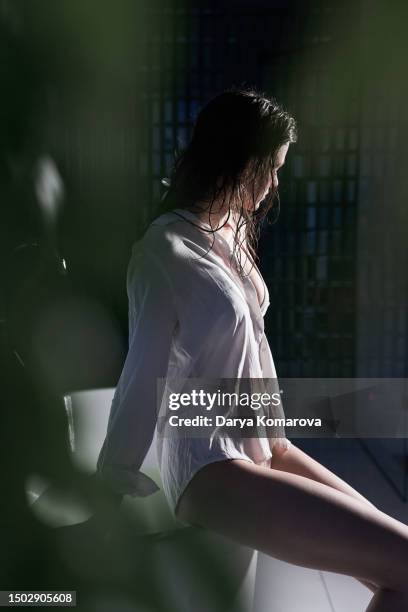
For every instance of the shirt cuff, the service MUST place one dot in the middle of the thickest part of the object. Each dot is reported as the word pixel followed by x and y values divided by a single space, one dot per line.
pixel 128 482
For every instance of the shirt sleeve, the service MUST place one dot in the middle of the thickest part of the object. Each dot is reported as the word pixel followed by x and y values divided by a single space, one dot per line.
pixel 133 415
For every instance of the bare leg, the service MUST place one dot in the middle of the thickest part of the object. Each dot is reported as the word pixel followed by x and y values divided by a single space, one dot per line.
pixel 301 521
pixel 296 461
pixel 387 601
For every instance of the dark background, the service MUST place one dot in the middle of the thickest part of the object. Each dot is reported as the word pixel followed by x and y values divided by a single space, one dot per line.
pixel 113 90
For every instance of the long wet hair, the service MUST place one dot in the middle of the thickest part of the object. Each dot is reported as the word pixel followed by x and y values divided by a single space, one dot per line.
pixel 233 149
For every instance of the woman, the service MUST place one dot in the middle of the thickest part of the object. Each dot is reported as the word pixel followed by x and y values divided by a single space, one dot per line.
pixel 196 307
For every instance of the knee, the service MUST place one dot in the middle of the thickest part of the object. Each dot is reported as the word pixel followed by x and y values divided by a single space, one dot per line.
pixel 388 599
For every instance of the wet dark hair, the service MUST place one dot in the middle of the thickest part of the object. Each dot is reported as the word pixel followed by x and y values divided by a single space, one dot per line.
pixel 235 140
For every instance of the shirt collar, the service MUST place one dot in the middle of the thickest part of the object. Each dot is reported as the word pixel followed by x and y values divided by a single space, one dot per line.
pixel 189 215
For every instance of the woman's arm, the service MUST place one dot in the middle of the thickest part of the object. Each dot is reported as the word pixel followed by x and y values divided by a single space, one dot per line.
pixel 133 416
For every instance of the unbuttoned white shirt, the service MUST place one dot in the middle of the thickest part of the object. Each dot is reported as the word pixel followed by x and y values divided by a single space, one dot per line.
pixel 190 315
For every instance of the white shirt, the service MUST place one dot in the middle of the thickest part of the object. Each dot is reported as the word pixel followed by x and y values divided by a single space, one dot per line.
pixel 190 315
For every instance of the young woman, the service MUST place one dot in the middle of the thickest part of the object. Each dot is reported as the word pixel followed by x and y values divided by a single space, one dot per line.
pixel 196 307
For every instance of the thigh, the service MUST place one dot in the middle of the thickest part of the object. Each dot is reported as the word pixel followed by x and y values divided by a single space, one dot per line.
pixel 296 461
pixel 297 520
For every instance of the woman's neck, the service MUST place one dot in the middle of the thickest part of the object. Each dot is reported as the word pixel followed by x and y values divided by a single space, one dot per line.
pixel 218 220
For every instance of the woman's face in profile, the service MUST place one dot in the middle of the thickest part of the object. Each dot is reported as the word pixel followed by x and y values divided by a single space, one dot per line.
pixel 272 179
